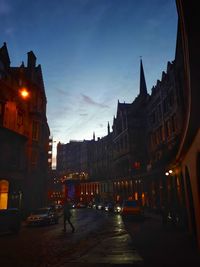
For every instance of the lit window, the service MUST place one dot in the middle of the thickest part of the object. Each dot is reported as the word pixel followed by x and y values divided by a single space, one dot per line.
pixel 4 186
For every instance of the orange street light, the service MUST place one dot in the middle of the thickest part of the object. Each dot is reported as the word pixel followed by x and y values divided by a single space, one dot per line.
pixel 24 93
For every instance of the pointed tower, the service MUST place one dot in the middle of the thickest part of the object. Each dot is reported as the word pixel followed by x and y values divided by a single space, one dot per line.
pixel 108 128
pixel 94 136
pixel 31 62
pixel 4 56
pixel 22 65
pixel 143 87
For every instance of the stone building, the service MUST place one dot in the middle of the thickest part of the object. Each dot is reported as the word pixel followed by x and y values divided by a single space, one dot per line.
pixel 129 141
pixel 187 161
pixel 24 134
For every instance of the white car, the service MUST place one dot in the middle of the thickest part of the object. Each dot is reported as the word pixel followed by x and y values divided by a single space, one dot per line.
pixel 42 216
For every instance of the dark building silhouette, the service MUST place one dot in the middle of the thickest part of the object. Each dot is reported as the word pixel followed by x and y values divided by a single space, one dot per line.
pixel 24 134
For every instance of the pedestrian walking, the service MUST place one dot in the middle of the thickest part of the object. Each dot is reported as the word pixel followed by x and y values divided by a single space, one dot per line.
pixel 67 215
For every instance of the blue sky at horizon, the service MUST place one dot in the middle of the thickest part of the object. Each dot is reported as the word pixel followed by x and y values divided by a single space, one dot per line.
pixel 90 52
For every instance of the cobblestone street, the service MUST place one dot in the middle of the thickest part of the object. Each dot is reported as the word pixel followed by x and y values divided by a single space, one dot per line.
pixel 99 239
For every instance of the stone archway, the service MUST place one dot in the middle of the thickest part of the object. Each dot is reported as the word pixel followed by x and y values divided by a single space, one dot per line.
pixel 4 188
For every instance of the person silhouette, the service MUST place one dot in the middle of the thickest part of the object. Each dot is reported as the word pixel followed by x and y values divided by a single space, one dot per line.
pixel 67 215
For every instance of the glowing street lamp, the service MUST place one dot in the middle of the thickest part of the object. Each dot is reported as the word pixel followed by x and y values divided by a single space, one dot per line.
pixel 24 93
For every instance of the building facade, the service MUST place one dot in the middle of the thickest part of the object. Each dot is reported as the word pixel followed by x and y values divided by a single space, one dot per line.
pixel 24 134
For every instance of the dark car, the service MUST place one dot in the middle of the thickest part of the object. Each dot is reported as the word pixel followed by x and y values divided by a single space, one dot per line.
pixel 109 206
pixel 81 205
pixel 42 216
pixel 10 220
pixel 100 206
pixel 131 208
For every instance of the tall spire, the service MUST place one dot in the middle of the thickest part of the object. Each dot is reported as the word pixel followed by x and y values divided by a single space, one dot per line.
pixel 143 87
pixel 94 136
pixel 108 128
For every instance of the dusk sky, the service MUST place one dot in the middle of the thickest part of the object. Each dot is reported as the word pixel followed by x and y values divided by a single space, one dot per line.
pixel 90 52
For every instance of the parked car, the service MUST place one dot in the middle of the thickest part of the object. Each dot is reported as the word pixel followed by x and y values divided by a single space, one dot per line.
pixel 81 205
pixel 131 207
pixel 10 220
pixel 73 205
pixel 42 216
pixel 109 206
pixel 100 206
pixel 58 207
pixel 90 204
pixel 94 205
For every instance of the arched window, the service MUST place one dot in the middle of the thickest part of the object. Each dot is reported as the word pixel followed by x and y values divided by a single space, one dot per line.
pixel 4 187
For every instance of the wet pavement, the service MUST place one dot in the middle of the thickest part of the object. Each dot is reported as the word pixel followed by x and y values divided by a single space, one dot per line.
pixel 163 246
pixel 107 245
pixel 100 239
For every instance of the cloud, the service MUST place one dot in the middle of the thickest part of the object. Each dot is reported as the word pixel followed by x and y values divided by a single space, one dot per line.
pixel 62 92
pixel 58 112
pixel 101 125
pixel 4 7
pixel 83 114
pixel 90 101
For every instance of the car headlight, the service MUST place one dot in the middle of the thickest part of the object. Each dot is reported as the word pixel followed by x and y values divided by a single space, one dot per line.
pixel 119 209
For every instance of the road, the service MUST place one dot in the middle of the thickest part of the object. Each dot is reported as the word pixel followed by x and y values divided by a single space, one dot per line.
pixel 100 239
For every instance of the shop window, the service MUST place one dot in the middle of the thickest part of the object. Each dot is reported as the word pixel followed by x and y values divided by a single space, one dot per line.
pixel 4 186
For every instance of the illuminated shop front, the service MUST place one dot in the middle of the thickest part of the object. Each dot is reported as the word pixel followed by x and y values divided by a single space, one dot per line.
pixel 4 188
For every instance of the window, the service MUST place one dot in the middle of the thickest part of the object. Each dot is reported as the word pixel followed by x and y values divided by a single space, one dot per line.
pixel 168 128
pixel 1 113
pixel 35 130
pixel 165 105
pixel 4 188
pixel 34 157
pixel 171 99
pixel 173 121
pixel 153 117
pixel 19 118
pixel 159 112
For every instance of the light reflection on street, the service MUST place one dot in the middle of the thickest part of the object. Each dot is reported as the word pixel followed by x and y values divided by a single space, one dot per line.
pixel 99 238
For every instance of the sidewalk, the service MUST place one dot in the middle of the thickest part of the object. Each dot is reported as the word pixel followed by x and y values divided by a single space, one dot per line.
pixel 164 246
